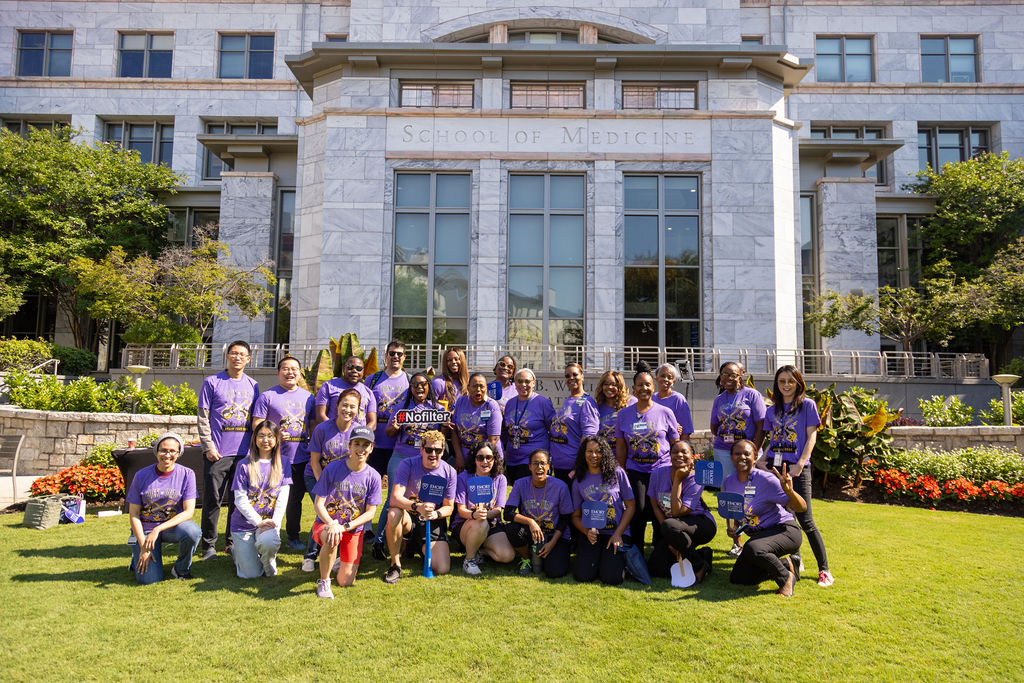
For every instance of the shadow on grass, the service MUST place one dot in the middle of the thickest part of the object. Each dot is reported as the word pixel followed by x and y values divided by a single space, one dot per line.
pixel 100 578
pixel 91 552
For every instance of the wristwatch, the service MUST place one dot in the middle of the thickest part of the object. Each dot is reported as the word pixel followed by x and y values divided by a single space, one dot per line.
pixel 414 504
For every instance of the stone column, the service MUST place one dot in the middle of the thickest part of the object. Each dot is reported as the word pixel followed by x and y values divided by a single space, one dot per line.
pixel 604 300
pixel 487 319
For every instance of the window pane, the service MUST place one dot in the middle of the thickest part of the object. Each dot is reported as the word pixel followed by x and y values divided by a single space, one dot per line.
pixel 236 43
pixel 951 155
pixel 526 239
pixel 33 40
pixel 261 42
pixel 640 192
pixel 888 271
pixel 60 41
pixel 566 332
pixel 453 191
pixel 828 68
pixel 565 294
pixel 244 129
pixel 526 191
pixel 979 142
pixel 887 229
pixel 566 240
pixel 858 46
pixel 449 332
pixel 410 330
pixel 641 239
pixel 131 64
pixel 641 292
pixel 451 291
pixel 680 193
pixel 829 46
pixel 566 192
pixel 961 46
pixel 933 69
pixel 640 333
pixel 134 41
pixel 232 65
pixel 544 38
pixel 410 295
pixel 858 68
pixel 30 63
pixel 60 63
pixel 682 240
pixel 933 46
pixel 261 65
pixel 525 292
pixel 411 238
pixel 961 69
pixel 682 334
pixel 451 238
pixel 525 331
pixel 682 293
pixel 162 41
pixel 159 65
pixel 412 189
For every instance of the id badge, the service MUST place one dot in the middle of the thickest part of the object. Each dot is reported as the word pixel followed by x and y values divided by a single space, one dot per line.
pixel 639 426
pixel 749 491
pixel 666 502
pixel 778 460
pixel 485 414
pixel 417 442
pixel 515 442
pixel 728 438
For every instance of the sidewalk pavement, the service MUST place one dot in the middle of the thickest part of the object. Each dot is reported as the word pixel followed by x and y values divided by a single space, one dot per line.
pixel 24 482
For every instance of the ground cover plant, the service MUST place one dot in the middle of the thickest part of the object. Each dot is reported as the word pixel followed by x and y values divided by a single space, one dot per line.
pixel 920 595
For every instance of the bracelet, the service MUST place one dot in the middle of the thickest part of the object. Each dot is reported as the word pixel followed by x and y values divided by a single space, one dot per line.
pixel 412 508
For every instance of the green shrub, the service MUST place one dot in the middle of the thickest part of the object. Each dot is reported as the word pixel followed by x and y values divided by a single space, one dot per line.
pixel 1015 367
pixel 943 411
pixel 978 463
pixel 23 354
pixel 87 396
pixel 74 361
pixel 994 414
pixel 102 454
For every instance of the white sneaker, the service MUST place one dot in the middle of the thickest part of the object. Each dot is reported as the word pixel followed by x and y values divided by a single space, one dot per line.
pixel 270 568
pixel 736 550
pixel 470 567
pixel 308 565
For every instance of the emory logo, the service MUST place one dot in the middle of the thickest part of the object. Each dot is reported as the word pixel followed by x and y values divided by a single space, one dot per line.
pixel 418 417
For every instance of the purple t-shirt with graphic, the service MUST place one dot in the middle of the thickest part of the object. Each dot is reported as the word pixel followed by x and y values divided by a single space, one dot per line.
pixel 407 443
pixel 386 391
pixel 411 471
pixel 767 507
pixel 660 491
pixel 346 493
pixel 161 497
pixel 290 410
pixel 737 416
pixel 526 422
pixel 787 434
pixel 609 418
pixel 437 385
pixel 647 436
pixel 330 442
pixel 474 424
pixel 676 402
pixel 230 403
pixel 499 494
pixel 576 419
pixel 546 505
pixel 262 496
pixel 507 394
pixel 329 392
pixel 594 488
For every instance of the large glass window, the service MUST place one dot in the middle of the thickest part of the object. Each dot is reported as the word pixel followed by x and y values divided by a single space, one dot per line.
pixel 900 249
pixel 949 59
pixel 145 55
pixel 528 95
pixel 662 249
pixel 22 127
pixel 659 96
pixel 153 141
pixel 184 221
pixel 430 289
pixel 546 237
pixel 249 55
pixel 843 59
pixel 809 272
pixel 44 53
pixel 283 258
pixel 435 94
pixel 939 145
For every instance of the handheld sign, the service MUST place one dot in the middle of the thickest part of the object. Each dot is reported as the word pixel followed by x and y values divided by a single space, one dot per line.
pixel 431 491
pixel 708 473
pixel 594 514
pixel 730 505
pixel 481 490
pixel 419 417
pixel 494 390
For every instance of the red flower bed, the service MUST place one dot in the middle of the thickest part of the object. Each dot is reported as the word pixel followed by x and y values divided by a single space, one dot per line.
pixel 93 482
pixel 895 483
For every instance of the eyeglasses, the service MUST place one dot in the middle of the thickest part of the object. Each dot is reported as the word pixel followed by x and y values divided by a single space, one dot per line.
pixel 538 464
pixel 238 354
pixel 168 451
pixel 503 364
pixel 433 451
pixel 418 384
pixel 354 367
pixel 396 354
pixel 484 458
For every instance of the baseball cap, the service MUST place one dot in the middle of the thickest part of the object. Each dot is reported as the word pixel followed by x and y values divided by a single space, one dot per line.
pixel 361 432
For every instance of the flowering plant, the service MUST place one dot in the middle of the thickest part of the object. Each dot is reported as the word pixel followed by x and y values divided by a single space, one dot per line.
pixel 93 482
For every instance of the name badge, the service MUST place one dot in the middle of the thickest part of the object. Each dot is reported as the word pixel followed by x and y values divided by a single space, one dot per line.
pixel 728 438
pixel 639 426
pixel 485 414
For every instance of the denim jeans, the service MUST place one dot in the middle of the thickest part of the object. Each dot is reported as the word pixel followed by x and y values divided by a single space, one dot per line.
pixel 724 456
pixel 255 552
pixel 186 535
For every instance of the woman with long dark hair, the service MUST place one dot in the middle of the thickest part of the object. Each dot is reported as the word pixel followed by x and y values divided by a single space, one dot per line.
pixel 261 497
pixel 479 527
pixel 611 396
pixel 576 418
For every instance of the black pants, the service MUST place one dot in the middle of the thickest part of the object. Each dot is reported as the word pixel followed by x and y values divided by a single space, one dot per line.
pixel 379 460
pixel 556 564
pixel 762 553
pixel 564 476
pixel 685 534
pixel 596 560
pixel 293 513
pixel 217 478
pixel 643 512
pixel 802 485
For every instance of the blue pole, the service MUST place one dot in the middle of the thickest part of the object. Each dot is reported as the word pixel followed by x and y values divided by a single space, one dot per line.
pixel 428 572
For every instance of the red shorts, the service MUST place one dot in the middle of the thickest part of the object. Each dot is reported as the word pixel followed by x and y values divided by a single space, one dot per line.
pixel 350 551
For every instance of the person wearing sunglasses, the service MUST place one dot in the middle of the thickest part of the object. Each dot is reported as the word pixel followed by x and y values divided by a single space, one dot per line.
pixel 504 374
pixel 387 386
pixel 576 418
pixel 478 527
pixel 327 396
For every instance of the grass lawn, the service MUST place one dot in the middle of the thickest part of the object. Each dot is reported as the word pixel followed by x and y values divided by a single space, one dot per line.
pixel 919 595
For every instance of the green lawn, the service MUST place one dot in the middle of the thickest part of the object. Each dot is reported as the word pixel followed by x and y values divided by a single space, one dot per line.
pixel 919 595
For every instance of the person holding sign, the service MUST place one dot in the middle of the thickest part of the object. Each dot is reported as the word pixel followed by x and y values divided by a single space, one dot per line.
pixel 347 495
pixel 527 420
pixel 161 500
pixel 480 495
pixel 477 419
pixel 261 487
pixel 576 419
pixel 666 377
pixel 408 514
pixel 503 387
pixel 792 428
pixel 602 508
pixel 768 505
pixel 686 523
pixel 611 397
pixel 537 514
pixel 644 433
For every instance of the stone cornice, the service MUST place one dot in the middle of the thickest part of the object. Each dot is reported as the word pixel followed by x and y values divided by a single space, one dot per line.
pixel 879 89
pixel 171 84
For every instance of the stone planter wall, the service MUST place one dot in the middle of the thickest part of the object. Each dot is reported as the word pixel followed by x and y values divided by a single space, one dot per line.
pixel 55 440
pixel 951 438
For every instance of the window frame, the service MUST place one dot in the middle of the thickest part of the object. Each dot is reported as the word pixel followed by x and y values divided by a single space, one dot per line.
pixel 909 253
pixel 247 53
pixel 810 268
pixel 435 86
pixel 126 141
pixel 47 50
pixel 968 150
pixel 547 86
pixel 947 56
pixel 659 87
pixel 843 55
pixel 22 126
pixel 210 159
pixel 147 51
pixel 862 133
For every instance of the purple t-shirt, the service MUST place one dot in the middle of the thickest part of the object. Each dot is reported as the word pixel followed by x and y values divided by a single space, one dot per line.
pixel 788 434
pixel 437 384
pixel 526 423
pixel 767 506
pixel 290 410
pixel 386 391
pixel 546 506
pixel 609 418
pixel 230 404
pixel 161 497
pixel 593 487
pixel 676 402
pixel 576 419
pixel 474 424
pixel 407 443
pixel 507 394
pixel 346 493
pixel 411 471
pixel 647 436
pixel 330 442
pixel 737 416
pixel 660 491
pixel 329 392
pixel 262 496
pixel 499 494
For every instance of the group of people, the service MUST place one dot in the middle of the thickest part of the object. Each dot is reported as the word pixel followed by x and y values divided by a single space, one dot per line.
pixel 573 485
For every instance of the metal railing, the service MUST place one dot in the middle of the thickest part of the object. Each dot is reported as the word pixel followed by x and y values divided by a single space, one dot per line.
pixel 55 362
pixel 553 358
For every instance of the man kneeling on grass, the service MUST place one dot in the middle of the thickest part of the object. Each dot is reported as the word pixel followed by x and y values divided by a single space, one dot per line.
pixel 346 497
pixel 408 515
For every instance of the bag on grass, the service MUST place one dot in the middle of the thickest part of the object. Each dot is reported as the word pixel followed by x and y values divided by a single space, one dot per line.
pixel 72 510
pixel 42 512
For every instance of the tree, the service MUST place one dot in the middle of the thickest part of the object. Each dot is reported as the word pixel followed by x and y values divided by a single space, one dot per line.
pixel 12 296
pixel 60 200
pixel 1003 285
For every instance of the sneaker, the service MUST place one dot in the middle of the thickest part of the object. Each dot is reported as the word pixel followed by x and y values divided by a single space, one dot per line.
pixel 308 565
pixel 296 544
pixel 480 559
pixel 825 578
pixel 270 568
pixel 323 589
pixel 380 552
pixel 184 576
pixel 736 550
pixel 525 567
pixel 337 565
pixel 208 553
pixel 470 567
pixel 393 573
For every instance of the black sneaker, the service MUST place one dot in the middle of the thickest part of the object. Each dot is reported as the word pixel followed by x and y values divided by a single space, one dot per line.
pixel 380 551
pixel 798 564
pixel 208 553
pixel 392 575
pixel 184 576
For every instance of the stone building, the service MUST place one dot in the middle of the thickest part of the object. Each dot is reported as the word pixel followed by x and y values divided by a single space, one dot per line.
pixel 682 173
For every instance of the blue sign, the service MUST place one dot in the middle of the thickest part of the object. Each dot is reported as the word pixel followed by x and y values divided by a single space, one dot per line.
pixel 481 490
pixel 708 473
pixel 594 514
pixel 730 505
pixel 494 390
pixel 432 489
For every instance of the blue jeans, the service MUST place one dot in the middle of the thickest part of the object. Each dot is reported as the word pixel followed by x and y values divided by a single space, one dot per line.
pixel 312 547
pixel 382 521
pixel 724 456
pixel 186 535
pixel 255 552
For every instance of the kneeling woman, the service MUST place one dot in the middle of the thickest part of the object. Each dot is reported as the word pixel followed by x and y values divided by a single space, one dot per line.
pixel 686 523
pixel 261 497
pixel 478 527
pixel 769 502
pixel 537 512
pixel 599 479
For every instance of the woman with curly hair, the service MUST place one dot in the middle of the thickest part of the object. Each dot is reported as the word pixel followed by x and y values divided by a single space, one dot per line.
pixel 599 479
pixel 611 396
pixel 479 527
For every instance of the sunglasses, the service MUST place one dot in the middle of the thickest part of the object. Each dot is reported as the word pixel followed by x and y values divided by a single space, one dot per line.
pixel 396 354
pixel 433 451
pixel 484 458
pixel 354 367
